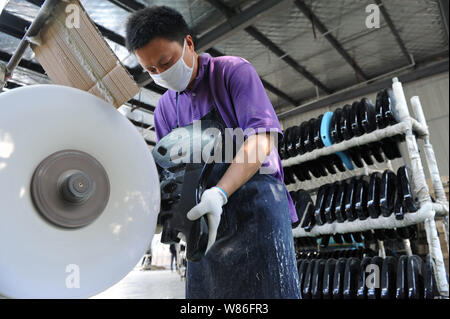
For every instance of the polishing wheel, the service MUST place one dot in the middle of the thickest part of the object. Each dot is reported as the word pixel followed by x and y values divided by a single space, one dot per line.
pixel 70 188
pixel 79 194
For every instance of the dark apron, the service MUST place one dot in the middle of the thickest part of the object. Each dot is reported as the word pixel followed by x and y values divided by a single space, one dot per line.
pixel 253 256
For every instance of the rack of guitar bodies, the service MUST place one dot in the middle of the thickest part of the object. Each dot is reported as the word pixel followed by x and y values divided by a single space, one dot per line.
pixel 361 203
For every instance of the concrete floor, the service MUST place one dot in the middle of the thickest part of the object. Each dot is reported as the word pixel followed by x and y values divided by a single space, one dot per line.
pixel 151 284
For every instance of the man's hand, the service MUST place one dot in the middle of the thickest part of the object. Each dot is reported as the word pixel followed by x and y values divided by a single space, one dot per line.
pixel 211 204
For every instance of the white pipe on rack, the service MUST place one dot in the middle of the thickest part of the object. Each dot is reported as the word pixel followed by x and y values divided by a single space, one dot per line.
pixel 407 245
pixel 374 136
pixel 441 199
pixel 425 211
pixel 445 230
pixel 381 250
pixel 434 246
pixel 418 128
pixel 441 210
pixel 389 165
pixel 418 112
pixel 418 180
pixel 401 106
pixel 418 177
pixel 421 188
pixel 430 157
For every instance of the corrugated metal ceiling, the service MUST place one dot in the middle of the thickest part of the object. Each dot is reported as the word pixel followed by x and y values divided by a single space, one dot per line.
pixel 374 50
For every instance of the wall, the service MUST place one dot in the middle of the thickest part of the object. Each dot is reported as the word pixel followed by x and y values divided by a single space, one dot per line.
pixel 160 252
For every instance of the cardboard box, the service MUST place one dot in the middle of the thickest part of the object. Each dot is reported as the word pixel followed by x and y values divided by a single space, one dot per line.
pixel 74 53
pixel 442 238
pixel 445 184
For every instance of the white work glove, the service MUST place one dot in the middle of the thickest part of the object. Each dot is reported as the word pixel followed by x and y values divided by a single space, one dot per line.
pixel 211 204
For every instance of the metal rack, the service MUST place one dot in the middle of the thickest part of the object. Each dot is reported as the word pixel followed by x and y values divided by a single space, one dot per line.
pixel 412 129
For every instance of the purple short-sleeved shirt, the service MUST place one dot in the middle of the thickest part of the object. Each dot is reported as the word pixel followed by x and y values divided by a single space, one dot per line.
pixel 240 98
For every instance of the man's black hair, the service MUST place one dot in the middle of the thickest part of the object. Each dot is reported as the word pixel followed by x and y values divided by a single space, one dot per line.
pixel 155 22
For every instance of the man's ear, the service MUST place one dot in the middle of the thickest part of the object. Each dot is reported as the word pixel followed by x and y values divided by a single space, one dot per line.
pixel 190 42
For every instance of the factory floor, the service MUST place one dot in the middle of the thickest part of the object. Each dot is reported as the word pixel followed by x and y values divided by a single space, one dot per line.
pixel 150 284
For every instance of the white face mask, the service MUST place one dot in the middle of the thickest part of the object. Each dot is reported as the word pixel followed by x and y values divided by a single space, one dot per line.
pixel 178 76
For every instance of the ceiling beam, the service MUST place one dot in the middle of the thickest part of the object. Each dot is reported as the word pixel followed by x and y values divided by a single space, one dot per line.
pixel 13 25
pixel 255 33
pixel 12 85
pixel 443 7
pixel 394 31
pixel 29 65
pixel 269 87
pixel 150 143
pixel 36 2
pixel 111 35
pixel 235 23
pixel 222 7
pixel 348 94
pixel 128 5
pixel 143 125
pixel 331 39
pixel 141 105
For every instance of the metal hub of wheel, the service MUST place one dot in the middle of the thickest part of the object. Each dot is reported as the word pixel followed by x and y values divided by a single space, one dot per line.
pixel 70 189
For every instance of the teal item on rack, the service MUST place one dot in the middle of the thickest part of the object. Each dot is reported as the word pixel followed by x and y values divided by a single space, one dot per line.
pixel 328 141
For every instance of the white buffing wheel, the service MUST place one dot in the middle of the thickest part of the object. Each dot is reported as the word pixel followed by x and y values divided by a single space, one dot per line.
pixel 38 258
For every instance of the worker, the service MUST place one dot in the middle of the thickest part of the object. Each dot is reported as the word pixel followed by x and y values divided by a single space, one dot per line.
pixel 173 257
pixel 250 251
